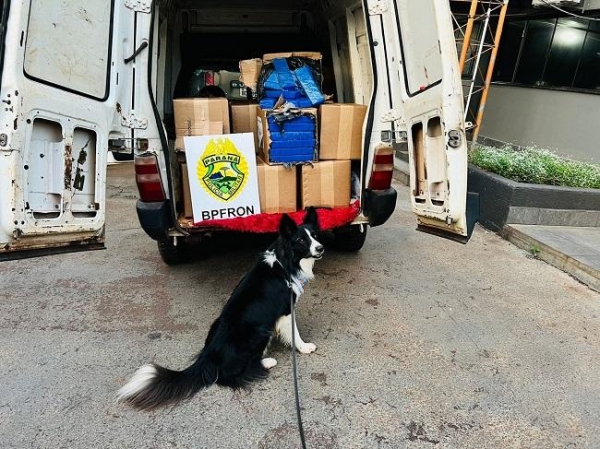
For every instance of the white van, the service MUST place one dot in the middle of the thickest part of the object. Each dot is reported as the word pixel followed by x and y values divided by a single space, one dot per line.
pixel 81 78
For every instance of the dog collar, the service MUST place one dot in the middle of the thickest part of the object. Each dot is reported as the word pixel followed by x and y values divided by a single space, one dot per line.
pixel 300 283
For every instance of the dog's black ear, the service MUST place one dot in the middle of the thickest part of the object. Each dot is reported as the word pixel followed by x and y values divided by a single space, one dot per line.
pixel 287 226
pixel 311 218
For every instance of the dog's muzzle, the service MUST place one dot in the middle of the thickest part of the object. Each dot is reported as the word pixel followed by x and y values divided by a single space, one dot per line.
pixel 319 250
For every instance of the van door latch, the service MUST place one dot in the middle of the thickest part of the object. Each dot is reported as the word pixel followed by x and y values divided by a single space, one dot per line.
pixel 139 5
pixel 389 136
pixel 392 115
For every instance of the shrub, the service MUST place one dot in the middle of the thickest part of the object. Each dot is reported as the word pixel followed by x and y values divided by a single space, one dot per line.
pixel 535 166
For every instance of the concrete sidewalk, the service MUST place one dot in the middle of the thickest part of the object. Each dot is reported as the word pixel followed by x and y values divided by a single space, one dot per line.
pixel 572 249
pixel 575 250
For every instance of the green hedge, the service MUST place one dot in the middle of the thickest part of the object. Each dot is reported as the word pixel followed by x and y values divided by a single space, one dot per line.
pixel 535 166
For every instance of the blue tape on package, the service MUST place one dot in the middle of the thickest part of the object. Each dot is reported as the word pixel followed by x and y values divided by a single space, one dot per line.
pixel 286 78
pixel 312 91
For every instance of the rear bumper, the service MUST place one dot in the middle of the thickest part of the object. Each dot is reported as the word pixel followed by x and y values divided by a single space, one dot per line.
pixel 155 218
pixel 379 205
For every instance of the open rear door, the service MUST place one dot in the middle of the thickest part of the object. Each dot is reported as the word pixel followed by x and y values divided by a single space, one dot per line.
pixel 426 104
pixel 62 89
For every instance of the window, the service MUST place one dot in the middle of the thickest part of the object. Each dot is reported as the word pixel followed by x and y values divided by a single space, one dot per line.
pixel 559 53
pixel 565 52
pixel 420 47
pixel 588 73
pixel 538 37
pixel 68 45
pixel 506 62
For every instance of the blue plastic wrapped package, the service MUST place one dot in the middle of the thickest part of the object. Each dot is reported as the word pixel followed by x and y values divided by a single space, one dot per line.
pixel 285 76
pixel 292 144
pixel 272 82
pixel 269 93
pixel 302 123
pixel 292 155
pixel 292 135
pixel 291 94
pixel 267 103
pixel 304 76
pixel 302 102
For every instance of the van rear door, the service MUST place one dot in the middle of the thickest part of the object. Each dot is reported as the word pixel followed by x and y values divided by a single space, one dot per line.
pixel 62 89
pixel 414 41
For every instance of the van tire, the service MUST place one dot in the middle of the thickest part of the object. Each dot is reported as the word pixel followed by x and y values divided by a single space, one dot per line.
pixel 350 238
pixel 171 254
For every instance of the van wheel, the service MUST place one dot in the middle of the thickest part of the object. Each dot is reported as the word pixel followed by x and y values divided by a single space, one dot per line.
pixel 171 254
pixel 350 238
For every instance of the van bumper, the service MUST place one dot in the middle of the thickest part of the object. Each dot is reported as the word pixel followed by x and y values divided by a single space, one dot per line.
pixel 155 218
pixel 379 205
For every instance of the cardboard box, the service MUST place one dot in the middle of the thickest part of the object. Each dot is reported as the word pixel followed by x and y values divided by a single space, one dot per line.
pixel 341 128
pixel 211 129
pixel 266 141
pixel 293 54
pixel 325 184
pixel 243 119
pixel 276 187
pixel 185 192
pixel 193 116
pixel 250 71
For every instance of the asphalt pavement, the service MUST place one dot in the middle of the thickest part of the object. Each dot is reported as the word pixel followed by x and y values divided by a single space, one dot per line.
pixel 421 343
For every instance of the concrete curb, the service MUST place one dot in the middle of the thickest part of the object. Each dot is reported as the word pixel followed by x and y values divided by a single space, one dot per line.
pixel 580 271
pixel 503 201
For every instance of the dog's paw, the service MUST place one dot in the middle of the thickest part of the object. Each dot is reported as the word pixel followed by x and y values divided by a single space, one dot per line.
pixel 307 348
pixel 268 362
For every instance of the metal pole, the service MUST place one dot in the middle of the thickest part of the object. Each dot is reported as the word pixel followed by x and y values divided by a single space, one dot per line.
pixel 467 38
pixel 479 52
pixel 490 71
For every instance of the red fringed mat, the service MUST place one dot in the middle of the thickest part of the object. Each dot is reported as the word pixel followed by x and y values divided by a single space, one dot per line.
pixel 269 223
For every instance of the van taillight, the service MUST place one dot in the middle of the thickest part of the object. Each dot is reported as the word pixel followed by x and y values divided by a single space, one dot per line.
pixel 147 178
pixel 383 169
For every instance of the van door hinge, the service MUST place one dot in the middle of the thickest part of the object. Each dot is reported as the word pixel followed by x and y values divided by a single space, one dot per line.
pixel 392 115
pixel 139 5
pixel 133 122
pixel 377 7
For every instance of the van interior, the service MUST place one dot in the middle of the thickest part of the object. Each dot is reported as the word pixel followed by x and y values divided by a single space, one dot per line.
pixel 199 37
pixel 215 35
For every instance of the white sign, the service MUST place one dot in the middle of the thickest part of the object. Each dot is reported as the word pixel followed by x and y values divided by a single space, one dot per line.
pixel 223 178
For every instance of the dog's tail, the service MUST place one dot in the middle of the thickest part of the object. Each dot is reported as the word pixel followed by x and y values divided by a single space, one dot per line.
pixel 154 386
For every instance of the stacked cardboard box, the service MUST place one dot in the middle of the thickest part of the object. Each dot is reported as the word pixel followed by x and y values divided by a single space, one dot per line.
pixel 197 117
pixel 200 117
pixel 341 126
pixel 325 184
pixel 243 119
pixel 277 188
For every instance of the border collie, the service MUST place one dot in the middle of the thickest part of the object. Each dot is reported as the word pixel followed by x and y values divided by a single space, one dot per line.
pixel 236 345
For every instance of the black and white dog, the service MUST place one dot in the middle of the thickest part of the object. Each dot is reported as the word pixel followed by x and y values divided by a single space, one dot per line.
pixel 237 342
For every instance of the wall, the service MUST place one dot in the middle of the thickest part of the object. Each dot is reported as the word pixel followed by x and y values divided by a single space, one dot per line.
pixel 566 122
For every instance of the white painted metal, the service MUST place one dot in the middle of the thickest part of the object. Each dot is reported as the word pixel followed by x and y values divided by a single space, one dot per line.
pixel 425 84
pixel 144 6
pixel 53 171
